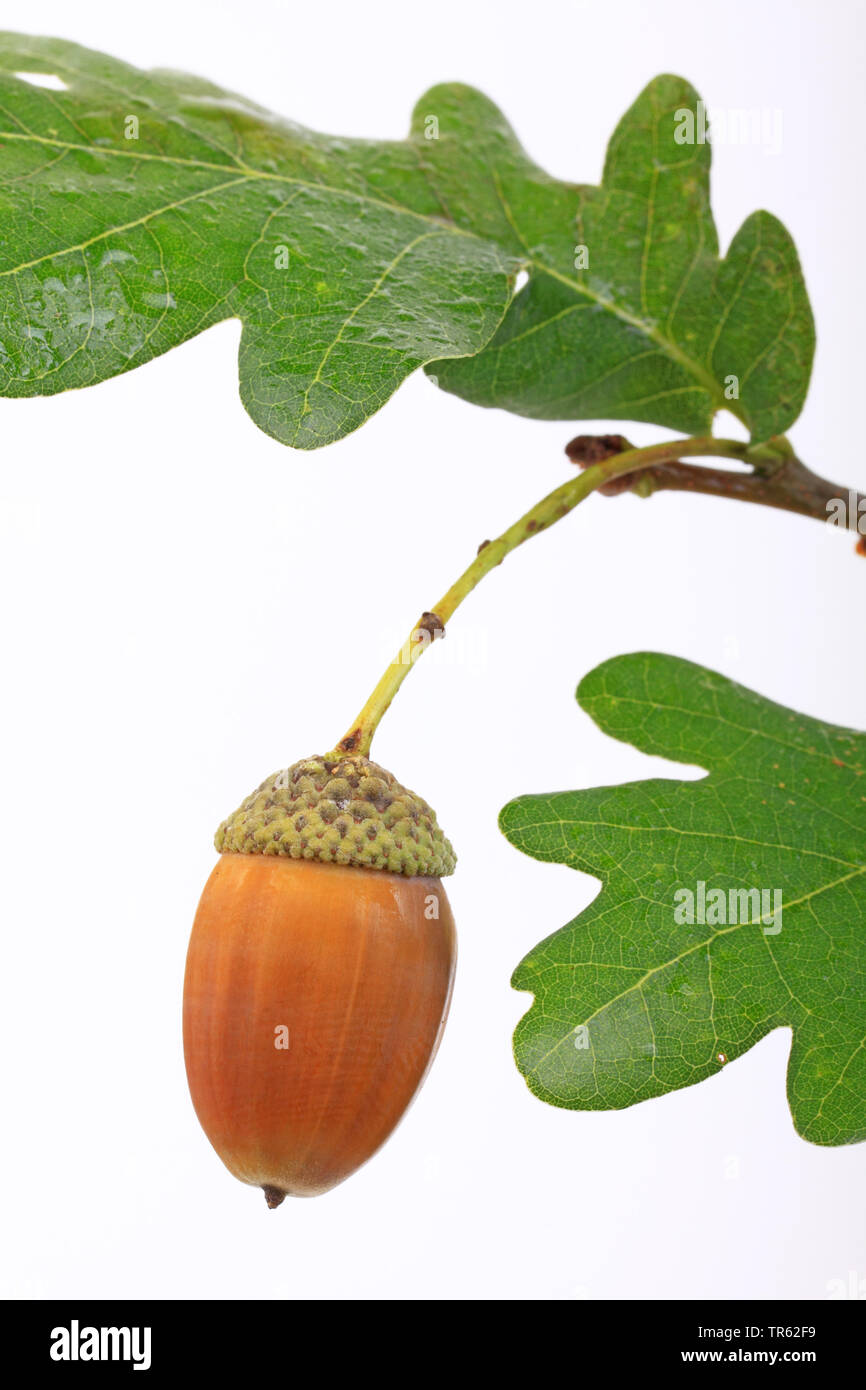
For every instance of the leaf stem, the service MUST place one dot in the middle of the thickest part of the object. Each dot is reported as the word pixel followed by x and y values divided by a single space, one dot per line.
pixel 550 509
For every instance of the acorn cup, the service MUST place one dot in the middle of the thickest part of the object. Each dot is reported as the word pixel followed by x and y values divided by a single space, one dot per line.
pixel 319 973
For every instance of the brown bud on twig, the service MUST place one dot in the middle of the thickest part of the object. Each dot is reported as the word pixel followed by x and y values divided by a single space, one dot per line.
pixel 430 623
pixel 588 449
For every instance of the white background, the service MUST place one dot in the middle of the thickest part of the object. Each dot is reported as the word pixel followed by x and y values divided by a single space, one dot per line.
pixel 186 606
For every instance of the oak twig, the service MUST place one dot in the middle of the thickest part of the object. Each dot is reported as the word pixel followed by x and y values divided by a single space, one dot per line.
pixel 610 464
pixel 783 481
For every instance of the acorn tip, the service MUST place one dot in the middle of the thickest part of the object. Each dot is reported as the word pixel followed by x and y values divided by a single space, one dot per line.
pixel 273 1196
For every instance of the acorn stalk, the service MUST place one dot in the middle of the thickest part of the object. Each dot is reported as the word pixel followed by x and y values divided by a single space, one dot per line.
pixel 322 955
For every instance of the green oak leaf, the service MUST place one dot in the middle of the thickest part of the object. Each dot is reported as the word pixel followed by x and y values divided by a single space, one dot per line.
pixel 139 208
pixel 655 327
pixel 631 999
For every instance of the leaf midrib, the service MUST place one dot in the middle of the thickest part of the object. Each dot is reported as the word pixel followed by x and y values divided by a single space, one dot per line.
pixel 675 960
pixel 644 326
pixel 647 329
pixel 246 172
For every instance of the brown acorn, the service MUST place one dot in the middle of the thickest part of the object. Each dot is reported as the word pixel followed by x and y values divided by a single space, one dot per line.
pixel 319 973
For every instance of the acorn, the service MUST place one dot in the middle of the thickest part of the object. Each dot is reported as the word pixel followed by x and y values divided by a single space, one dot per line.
pixel 319 973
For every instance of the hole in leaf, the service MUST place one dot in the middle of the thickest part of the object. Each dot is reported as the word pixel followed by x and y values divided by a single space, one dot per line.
pixel 521 279
pixel 43 79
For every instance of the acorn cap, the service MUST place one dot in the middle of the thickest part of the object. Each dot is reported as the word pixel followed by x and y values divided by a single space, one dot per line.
pixel 340 810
